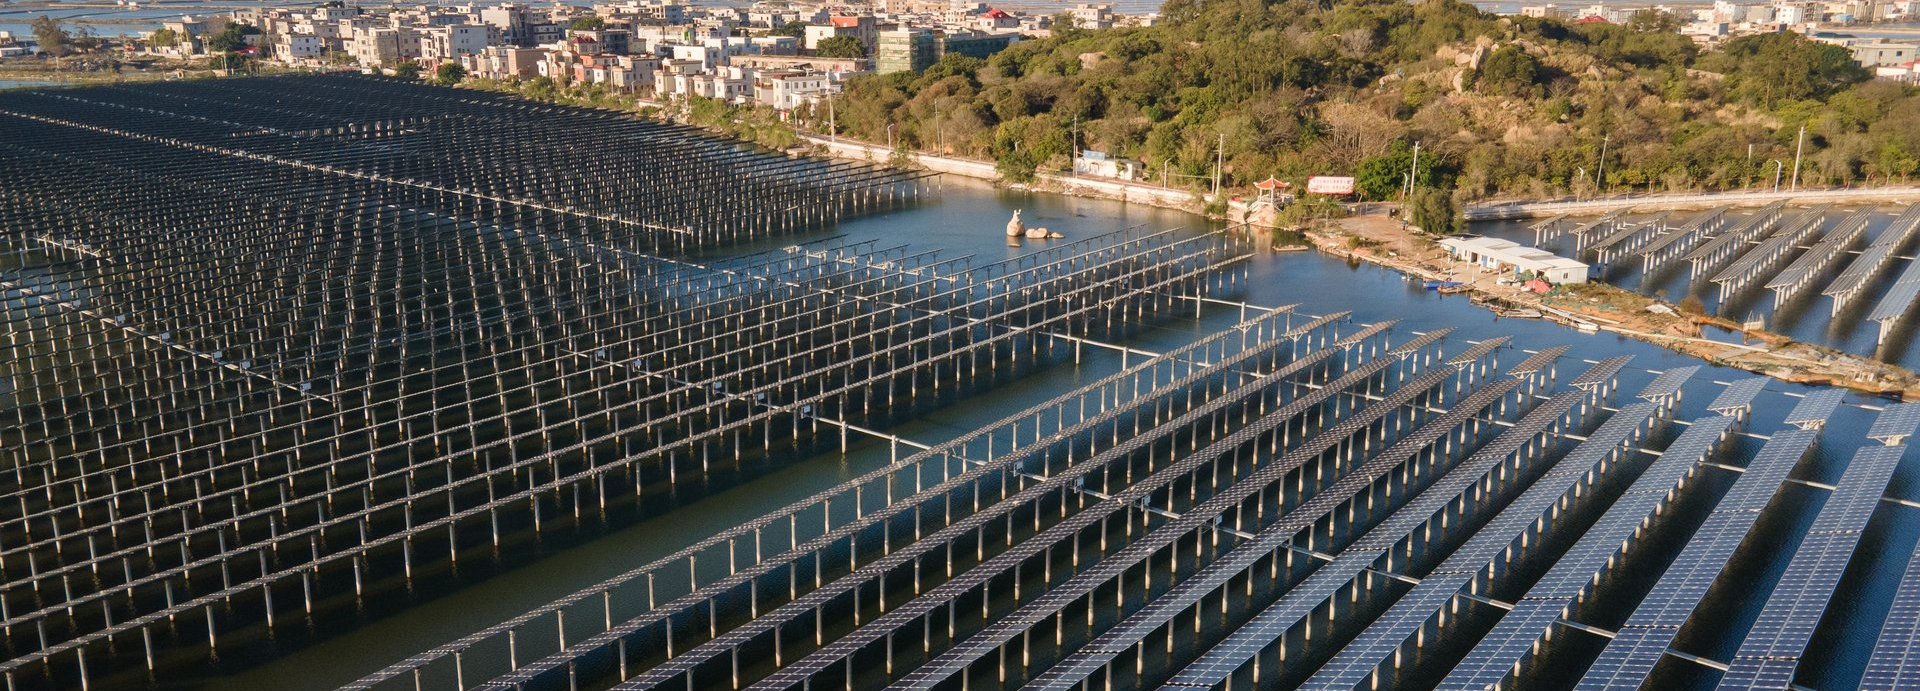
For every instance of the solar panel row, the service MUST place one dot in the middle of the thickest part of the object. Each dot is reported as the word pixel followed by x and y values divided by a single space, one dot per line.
pixel 1786 624
pixel 1629 658
pixel 1300 602
pixel 1500 654
pixel 1534 507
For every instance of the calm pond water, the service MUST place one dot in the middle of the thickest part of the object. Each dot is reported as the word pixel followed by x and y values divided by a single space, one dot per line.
pixel 965 218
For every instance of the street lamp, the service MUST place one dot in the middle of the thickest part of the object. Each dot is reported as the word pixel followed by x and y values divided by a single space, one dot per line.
pixel 1778 165
pixel 890 127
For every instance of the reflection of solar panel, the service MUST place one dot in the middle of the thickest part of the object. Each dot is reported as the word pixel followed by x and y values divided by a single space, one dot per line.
pixel 1814 410
pixel 1896 422
pixel 1503 649
pixel 1737 396
pixel 1786 624
pixel 1895 664
pixel 1630 657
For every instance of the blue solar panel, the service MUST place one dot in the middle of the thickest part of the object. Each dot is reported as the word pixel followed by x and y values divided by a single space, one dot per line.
pixel 1896 422
pixel 1799 599
pixel 1659 616
pixel 1895 664
pixel 1816 408
pixel 1504 648
pixel 1738 395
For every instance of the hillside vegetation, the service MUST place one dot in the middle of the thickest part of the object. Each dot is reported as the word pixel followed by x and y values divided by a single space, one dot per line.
pixel 1500 106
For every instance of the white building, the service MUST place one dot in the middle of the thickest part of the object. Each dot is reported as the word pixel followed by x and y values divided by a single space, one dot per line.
pixel 447 43
pixel 1502 255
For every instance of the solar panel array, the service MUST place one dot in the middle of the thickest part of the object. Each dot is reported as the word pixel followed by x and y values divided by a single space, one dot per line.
pixel 1853 281
pixel 1738 397
pixel 1630 657
pixel 1536 506
pixel 1709 256
pixel 1680 241
pixel 1895 664
pixel 1779 637
pixel 266 262
pixel 1504 649
pixel 1816 408
pixel 1788 284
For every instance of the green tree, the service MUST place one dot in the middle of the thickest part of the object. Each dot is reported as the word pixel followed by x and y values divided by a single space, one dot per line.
pixel 841 47
pixel 1650 20
pixel 1508 70
pixel 164 38
pixel 408 70
pixel 1772 69
pixel 449 73
pixel 51 38
pixel 1385 176
pixel 794 29
pixel 586 24
pixel 1432 209
pixel 231 38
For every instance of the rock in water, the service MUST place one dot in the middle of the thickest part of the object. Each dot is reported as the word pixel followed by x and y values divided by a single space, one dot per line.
pixel 1015 227
pixel 1042 234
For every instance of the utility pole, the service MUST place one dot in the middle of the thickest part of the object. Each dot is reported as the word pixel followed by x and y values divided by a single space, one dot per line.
pixel 833 130
pixel 1600 176
pixel 1219 161
pixel 1799 145
pixel 1412 171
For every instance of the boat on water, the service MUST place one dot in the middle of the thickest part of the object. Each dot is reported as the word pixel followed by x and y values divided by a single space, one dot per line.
pixel 1441 285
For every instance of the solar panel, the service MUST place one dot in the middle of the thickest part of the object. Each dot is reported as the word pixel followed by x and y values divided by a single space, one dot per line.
pixel 1895 663
pixel 1369 331
pixel 1601 373
pixel 1822 254
pixel 1366 653
pixel 1668 383
pixel 1738 396
pixel 1538 362
pixel 1478 350
pixel 1898 421
pixel 1503 649
pixel 1300 602
pixel 1659 616
pixel 1499 653
pixel 1800 597
pixel 1421 341
pixel 1816 408
pixel 1006 628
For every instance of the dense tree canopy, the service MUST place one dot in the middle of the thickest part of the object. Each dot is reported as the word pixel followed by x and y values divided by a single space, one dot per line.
pixel 1294 88
pixel 841 47
pixel 48 35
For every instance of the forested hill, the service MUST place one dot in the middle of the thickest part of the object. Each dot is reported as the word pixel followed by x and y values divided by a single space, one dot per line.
pixel 1506 106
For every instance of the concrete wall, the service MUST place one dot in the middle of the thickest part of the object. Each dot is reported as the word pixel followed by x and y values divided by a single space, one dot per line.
pixel 1070 184
pixel 1493 211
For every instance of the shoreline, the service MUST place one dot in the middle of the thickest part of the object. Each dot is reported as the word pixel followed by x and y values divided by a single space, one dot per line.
pixel 1608 308
pixel 1595 307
